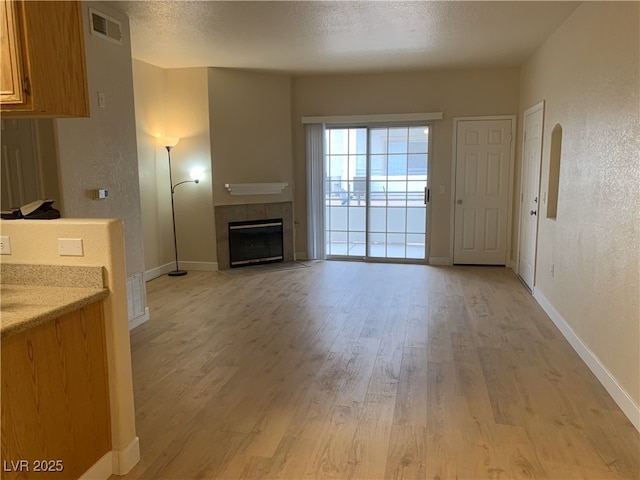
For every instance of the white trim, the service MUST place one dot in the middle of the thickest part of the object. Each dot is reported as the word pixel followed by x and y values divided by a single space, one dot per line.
pixel 124 460
pixel 118 462
pixel 101 470
pixel 199 266
pixel 158 271
pixel 452 190
pixel 255 188
pixel 377 118
pixel 136 322
pixel 440 261
pixel 608 381
pixel 529 111
pixel 168 267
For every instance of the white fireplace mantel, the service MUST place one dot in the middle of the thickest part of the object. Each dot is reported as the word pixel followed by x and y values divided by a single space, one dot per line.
pixel 255 188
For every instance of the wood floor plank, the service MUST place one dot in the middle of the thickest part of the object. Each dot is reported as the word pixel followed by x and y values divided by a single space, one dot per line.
pixel 368 455
pixel 407 453
pixel 386 370
pixel 365 371
pixel 330 456
pixel 411 399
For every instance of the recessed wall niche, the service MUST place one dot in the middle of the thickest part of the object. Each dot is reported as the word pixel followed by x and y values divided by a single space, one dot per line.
pixel 554 171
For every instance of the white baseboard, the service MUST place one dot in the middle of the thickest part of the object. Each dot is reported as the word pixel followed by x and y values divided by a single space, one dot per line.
pixel 441 261
pixel 629 407
pixel 200 266
pixel 167 267
pixel 136 322
pixel 101 470
pixel 114 462
pixel 158 271
pixel 124 460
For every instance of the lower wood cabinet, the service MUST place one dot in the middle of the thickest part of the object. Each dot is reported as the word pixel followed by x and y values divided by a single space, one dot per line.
pixel 55 398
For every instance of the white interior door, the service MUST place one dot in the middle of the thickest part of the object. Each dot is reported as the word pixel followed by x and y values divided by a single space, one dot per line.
pixel 20 168
pixel 529 201
pixel 481 216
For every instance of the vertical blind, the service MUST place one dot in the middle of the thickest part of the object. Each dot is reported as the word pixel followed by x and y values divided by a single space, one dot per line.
pixel 315 191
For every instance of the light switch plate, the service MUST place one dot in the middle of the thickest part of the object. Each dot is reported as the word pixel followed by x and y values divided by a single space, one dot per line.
pixel 70 247
pixel 5 245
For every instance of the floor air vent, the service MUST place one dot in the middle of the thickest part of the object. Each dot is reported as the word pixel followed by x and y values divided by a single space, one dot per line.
pixel 106 27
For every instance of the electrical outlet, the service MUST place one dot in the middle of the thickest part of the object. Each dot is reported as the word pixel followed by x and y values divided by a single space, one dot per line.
pixel 70 247
pixel 5 245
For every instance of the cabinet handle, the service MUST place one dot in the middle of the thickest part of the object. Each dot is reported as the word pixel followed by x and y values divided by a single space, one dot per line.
pixel 26 86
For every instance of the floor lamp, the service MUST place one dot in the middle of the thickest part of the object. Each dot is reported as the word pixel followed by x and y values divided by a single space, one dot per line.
pixel 169 143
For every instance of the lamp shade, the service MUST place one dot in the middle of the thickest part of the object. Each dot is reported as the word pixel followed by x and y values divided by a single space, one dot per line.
pixel 168 141
pixel 196 174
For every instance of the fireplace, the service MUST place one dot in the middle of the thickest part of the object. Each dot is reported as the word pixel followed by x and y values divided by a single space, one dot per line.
pixel 252 213
pixel 255 242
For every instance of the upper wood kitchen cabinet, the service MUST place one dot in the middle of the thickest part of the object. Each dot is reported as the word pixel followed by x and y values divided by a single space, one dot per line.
pixel 43 61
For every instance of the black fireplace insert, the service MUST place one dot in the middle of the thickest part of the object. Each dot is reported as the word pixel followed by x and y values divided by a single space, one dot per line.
pixel 255 242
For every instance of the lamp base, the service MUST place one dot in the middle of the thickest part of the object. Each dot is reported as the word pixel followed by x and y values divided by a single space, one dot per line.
pixel 177 273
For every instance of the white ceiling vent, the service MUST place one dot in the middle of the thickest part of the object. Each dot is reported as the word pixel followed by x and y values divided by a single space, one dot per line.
pixel 104 26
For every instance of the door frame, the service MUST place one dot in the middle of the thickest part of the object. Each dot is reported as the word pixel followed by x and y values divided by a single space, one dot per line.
pixel 532 109
pixel 452 189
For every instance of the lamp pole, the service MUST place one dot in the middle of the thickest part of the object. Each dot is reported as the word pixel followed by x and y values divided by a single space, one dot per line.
pixel 177 272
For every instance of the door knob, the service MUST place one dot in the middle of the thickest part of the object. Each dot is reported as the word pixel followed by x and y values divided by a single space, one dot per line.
pixel 459 202
pixel 533 212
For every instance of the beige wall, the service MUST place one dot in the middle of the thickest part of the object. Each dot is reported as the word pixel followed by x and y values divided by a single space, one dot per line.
pixel 174 103
pixel 100 151
pixel 588 74
pixel 455 93
pixel 235 125
pixel 250 133
pixel 188 118
pixel 149 88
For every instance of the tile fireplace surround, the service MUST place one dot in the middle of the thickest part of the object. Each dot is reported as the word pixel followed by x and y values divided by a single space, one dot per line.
pixel 253 211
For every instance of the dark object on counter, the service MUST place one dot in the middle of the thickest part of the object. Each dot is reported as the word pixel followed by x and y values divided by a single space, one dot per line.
pixel 13 214
pixel 38 210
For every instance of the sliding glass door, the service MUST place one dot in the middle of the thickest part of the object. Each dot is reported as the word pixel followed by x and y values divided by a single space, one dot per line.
pixel 376 192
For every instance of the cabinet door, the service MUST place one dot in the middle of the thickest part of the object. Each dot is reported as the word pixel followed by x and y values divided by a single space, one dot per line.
pixel 11 91
pixel 48 37
pixel 55 396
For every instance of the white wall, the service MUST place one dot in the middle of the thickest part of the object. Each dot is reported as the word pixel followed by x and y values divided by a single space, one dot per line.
pixel 588 74
pixel 100 151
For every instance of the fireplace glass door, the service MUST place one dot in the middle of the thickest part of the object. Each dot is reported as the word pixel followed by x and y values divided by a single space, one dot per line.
pixel 376 194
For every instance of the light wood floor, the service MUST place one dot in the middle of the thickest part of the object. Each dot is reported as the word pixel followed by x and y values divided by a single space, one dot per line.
pixel 366 371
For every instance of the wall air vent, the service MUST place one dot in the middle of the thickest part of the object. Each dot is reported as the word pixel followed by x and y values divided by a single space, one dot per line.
pixel 105 27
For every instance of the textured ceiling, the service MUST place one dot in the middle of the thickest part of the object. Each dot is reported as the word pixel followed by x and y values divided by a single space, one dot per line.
pixel 339 36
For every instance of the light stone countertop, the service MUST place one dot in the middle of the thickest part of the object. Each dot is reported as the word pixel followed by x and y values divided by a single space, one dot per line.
pixel 27 306
pixel 33 294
